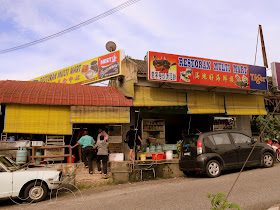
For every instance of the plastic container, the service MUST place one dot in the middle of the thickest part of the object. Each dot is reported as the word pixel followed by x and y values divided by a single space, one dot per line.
pixel 37 143
pixel 147 149
pixel 73 159
pixel 169 147
pixel 116 156
pixel 157 156
pixel 21 156
pixel 152 148
pixel 23 143
pixel 12 138
pixel 169 155
pixel 143 157
pixel 158 148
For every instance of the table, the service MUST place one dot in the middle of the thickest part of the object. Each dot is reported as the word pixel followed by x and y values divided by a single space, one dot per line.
pixel 148 154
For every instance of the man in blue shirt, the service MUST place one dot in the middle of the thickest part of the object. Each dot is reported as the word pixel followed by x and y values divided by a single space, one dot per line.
pixel 87 143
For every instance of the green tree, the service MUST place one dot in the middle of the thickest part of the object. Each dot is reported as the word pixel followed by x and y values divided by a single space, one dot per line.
pixel 219 199
pixel 271 131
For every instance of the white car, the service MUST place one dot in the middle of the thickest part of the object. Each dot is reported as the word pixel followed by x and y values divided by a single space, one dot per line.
pixel 29 184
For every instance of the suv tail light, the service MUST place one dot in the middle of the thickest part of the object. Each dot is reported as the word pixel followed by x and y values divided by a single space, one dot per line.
pixel 199 147
pixel 181 152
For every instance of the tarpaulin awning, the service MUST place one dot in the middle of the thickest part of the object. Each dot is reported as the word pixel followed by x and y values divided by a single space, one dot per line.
pixel 200 102
pixel 150 96
pixel 92 114
pixel 245 104
pixel 37 119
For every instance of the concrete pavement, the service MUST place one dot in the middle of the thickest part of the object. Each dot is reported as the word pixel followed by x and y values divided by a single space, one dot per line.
pixel 257 188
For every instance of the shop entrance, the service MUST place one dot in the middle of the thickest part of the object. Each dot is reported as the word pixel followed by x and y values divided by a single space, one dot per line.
pixel 174 125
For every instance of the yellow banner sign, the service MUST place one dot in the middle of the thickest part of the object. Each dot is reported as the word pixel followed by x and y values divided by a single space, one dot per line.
pixel 91 71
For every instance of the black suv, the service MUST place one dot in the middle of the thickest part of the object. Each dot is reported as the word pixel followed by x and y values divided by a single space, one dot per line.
pixel 213 152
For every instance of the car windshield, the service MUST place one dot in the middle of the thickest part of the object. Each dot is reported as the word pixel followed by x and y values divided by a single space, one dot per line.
pixel 9 164
pixel 190 141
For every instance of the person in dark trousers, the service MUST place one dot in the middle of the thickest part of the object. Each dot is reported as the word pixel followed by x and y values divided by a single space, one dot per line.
pixel 87 143
pixel 132 139
pixel 102 155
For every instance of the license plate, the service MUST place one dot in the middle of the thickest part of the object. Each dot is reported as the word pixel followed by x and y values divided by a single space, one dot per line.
pixel 187 154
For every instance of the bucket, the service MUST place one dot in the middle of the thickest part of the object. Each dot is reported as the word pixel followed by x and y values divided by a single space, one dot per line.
pixel 157 156
pixel 38 153
pixel 21 156
pixel 73 159
pixel 169 155
pixel 143 157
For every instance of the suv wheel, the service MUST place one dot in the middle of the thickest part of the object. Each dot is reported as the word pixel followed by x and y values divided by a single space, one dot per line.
pixel 213 168
pixel 35 192
pixel 268 160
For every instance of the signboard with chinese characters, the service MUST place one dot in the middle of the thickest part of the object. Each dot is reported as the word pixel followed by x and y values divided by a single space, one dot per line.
pixel 201 71
pixel 91 71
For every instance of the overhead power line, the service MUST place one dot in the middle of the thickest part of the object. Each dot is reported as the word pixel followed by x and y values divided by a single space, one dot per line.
pixel 87 22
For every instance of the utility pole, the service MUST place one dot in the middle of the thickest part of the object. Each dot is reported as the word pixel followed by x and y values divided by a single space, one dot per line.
pixel 263 47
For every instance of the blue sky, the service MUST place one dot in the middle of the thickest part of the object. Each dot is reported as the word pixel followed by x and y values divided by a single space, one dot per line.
pixel 217 29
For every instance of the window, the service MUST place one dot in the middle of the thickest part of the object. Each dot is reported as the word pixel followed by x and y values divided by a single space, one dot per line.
pixel 221 138
pixel 9 164
pixel 190 140
pixel 241 138
pixel 2 169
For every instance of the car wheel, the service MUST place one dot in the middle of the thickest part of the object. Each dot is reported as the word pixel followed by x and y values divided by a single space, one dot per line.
pixel 189 173
pixel 213 168
pixel 268 160
pixel 278 155
pixel 35 192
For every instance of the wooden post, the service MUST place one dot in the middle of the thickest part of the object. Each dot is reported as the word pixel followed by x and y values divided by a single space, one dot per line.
pixel 32 155
pixel 70 153
pixel 263 47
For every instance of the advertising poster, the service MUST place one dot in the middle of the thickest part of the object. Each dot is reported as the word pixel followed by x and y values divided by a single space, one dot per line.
pixel 201 71
pixel 91 71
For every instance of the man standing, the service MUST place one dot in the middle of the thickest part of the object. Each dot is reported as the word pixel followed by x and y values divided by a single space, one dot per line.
pixel 87 150
pixel 133 139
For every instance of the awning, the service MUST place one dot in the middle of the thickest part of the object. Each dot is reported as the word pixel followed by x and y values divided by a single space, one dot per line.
pixel 99 115
pixel 200 102
pixel 150 96
pixel 245 104
pixel 37 119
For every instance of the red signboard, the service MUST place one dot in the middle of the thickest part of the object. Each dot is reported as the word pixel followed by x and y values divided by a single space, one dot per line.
pixel 201 71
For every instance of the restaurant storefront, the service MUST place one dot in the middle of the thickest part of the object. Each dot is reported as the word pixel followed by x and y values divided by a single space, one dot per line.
pixel 176 95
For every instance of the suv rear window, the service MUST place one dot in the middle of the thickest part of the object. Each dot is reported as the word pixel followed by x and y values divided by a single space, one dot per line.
pixel 190 141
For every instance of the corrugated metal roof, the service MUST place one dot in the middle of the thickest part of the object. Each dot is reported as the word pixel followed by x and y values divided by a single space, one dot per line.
pixel 142 66
pixel 28 92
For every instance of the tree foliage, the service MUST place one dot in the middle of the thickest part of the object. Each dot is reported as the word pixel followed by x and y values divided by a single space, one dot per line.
pixel 219 199
pixel 271 131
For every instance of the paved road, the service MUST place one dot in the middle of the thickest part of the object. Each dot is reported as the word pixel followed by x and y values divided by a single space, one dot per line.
pixel 257 189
